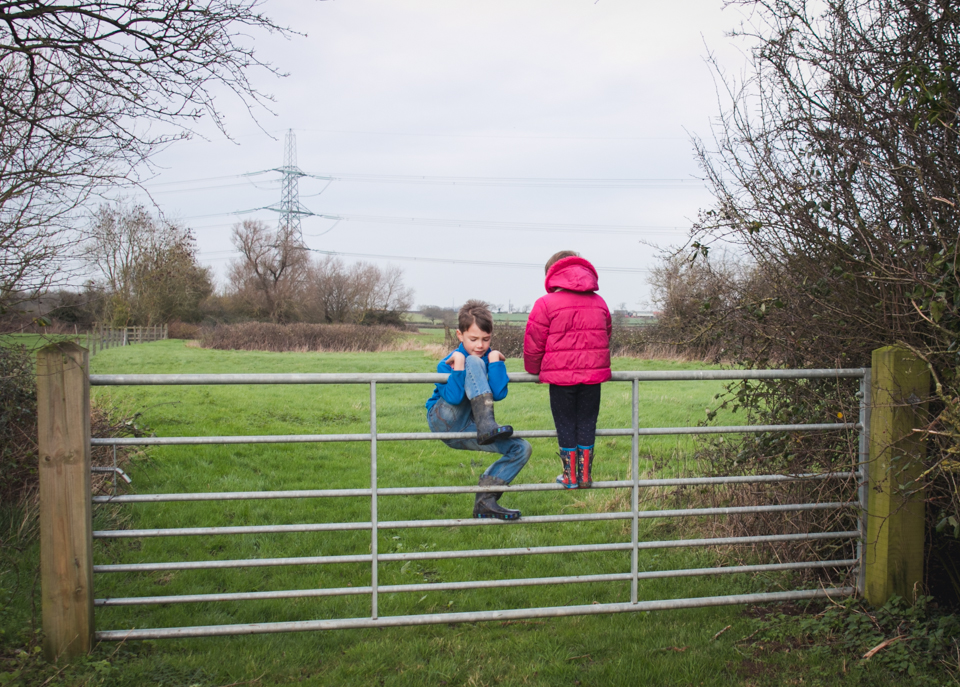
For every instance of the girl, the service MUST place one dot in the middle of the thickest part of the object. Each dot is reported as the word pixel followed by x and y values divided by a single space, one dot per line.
pixel 567 343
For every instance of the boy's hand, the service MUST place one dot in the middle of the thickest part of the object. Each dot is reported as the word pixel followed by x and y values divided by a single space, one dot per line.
pixel 457 361
pixel 496 357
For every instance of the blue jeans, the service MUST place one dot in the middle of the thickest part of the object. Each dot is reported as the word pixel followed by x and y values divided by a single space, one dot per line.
pixel 475 382
pixel 443 417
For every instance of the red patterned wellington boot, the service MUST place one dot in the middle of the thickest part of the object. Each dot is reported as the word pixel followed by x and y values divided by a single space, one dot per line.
pixel 585 466
pixel 568 459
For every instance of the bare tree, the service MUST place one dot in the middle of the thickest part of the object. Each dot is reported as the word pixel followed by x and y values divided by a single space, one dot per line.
pixel 82 85
pixel 388 292
pixel 270 276
pixel 836 169
pixel 358 292
pixel 148 268
pixel 333 290
pixel 447 316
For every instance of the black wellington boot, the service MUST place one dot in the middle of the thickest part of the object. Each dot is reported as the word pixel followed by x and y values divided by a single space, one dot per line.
pixel 488 431
pixel 486 505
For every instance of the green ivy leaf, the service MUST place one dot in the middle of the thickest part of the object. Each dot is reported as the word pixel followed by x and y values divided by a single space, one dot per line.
pixel 936 310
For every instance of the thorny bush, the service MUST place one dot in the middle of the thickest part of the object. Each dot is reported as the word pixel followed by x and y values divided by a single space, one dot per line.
pixel 834 452
pixel 835 172
pixel 624 341
pixel 260 336
pixel 18 422
pixel 18 434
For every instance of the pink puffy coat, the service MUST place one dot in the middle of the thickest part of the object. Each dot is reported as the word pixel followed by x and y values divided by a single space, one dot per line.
pixel 567 340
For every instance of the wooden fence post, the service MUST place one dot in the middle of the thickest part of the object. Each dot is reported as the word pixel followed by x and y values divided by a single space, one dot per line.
pixel 66 532
pixel 895 512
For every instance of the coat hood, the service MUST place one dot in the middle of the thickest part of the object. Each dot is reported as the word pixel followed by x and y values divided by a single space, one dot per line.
pixel 573 274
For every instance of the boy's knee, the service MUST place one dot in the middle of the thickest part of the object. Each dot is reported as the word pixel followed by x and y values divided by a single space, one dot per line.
pixel 474 362
pixel 525 450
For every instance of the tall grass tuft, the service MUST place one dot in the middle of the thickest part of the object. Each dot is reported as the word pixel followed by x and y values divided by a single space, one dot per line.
pixel 261 336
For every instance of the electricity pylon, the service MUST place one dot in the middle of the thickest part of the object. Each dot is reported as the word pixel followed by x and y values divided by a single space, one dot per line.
pixel 290 208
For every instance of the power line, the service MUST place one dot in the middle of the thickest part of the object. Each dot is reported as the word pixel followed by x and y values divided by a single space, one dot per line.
pixel 223 254
pixel 504 226
pixel 225 214
pixel 519 182
pixel 457 261
pixel 496 136
pixel 193 189
pixel 196 181
pixel 564 182
pixel 467 223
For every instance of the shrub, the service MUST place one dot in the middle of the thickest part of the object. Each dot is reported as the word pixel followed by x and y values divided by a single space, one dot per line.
pixel 261 336
pixel 384 318
pixel 182 330
pixel 18 435
pixel 508 339
pixel 18 422
pixel 628 341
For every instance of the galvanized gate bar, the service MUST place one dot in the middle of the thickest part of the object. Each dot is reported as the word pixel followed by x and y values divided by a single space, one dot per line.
pixel 374 534
pixel 470 617
pixel 416 491
pixel 475 584
pixel 439 378
pixel 374 558
pixel 635 492
pixel 472 553
pixel 469 522
pixel 435 436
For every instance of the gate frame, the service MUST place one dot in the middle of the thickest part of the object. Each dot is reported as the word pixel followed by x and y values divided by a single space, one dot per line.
pixel 67 536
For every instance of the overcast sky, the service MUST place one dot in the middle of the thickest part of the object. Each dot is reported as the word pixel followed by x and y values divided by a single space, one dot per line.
pixel 518 93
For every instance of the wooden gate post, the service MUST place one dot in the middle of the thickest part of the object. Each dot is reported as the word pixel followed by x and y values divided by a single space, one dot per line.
pixel 66 532
pixel 895 511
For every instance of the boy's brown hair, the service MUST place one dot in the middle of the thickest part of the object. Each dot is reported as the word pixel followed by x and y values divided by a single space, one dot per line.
pixel 560 256
pixel 475 312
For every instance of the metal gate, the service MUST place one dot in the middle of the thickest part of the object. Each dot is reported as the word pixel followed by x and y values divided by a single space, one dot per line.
pixel 375 525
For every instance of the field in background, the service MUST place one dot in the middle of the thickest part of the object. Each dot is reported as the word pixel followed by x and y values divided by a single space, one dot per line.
pixel 667 648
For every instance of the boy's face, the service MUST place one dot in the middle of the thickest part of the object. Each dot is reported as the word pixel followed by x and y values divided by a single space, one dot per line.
pixel 474 340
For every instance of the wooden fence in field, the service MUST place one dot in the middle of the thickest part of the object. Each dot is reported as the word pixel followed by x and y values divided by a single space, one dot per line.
pixel 111 337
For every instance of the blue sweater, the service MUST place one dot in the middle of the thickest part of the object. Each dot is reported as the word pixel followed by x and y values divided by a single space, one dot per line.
pixel 452 392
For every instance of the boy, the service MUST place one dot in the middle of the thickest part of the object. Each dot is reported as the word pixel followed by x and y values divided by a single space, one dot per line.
pixel 478 377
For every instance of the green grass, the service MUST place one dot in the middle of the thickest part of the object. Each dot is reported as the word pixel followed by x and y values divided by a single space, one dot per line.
pixel 34 342
pixel 663 648
pixel 512 318
pixel 427 335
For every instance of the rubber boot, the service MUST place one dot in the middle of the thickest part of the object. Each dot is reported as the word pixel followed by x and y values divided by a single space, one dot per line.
pixel 486 505
pixel 568 458
pixel 585 466
pixel 488 431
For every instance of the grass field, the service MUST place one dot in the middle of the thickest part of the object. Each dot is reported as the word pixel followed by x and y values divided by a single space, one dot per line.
pixel 665 648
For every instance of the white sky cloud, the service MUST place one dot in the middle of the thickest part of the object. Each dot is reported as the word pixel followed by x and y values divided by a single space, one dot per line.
pixel 552 88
